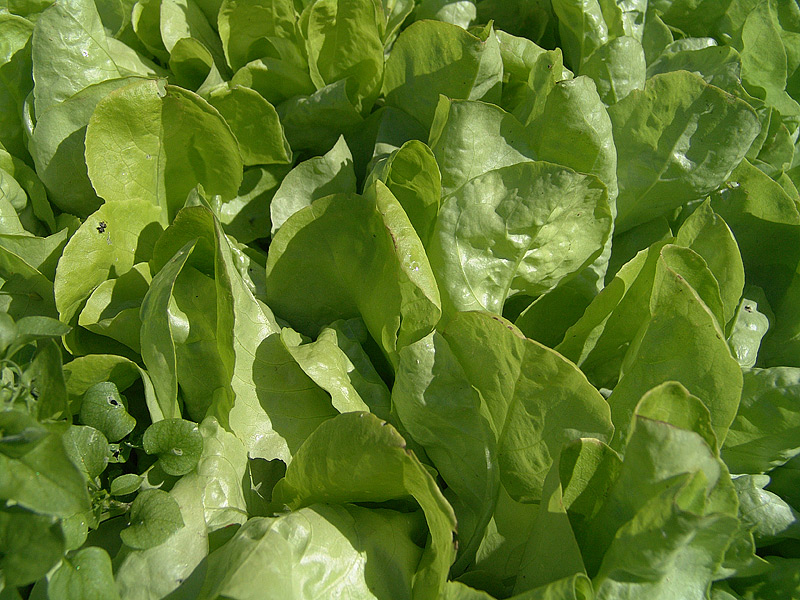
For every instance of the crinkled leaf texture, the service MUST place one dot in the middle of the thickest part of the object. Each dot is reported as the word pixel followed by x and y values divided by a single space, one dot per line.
pixel 321 551
pixel 518 229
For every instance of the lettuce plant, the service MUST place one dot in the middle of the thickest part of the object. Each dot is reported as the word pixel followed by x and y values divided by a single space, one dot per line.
pixel 399 299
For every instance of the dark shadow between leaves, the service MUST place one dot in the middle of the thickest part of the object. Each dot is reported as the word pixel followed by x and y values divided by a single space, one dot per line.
pixel 292 401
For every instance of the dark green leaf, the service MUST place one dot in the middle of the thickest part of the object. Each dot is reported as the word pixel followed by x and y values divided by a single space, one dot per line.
pixel 85 575
pixel 126 484
pixel 87 448
pixel 154 517
pixel 32 544
pixel 44 479
pixel 104 409
pixel 177 443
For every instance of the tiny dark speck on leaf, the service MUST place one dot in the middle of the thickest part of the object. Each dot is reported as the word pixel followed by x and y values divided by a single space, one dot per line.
pixel 748 308
pixel 101 227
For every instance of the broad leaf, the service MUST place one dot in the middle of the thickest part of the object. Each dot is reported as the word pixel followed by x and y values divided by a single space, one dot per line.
pixel 311 286
pixel 390 472
pixel 255 124
pixel 154 517
pixel 669 164
pixel 315 178
pixel 762 436
pixel 354 544
pixel 682 341
pixel 519 229
pixel 111 241
pixel 180 141
pixel 431 58
pixel 69 52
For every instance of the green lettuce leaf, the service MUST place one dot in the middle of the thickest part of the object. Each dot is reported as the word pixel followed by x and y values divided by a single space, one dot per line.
pixel 319 550
pixel 431 58
pixel 181 141
pixel 518 229
pixel 668 164
pixel 316 274
pixel 392 472
pixel 315 178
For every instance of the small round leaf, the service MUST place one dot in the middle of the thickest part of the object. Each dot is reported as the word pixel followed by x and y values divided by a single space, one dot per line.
pixel 103 409
pixel 177 443
pixel 126 484
pixel 87 448
pixel 154 517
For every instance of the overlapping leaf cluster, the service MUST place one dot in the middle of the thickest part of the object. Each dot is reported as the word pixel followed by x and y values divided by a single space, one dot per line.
pixel 392 299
